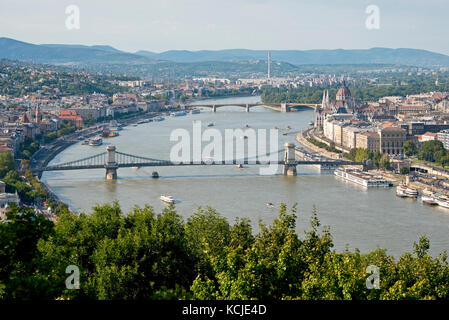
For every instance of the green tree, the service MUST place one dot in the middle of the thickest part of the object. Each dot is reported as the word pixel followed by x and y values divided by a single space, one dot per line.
pixel 384 161
pixel 361 154
pixel 6 163
pixel 404 170
pixel 410 148
pixel 19 256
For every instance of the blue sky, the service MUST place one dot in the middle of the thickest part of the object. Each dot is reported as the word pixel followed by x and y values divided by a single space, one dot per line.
pixel 212 24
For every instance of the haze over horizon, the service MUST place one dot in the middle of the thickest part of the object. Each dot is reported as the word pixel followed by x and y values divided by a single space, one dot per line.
pixel 214 25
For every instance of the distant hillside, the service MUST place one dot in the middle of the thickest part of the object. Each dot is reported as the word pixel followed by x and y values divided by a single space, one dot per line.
pixel 103 55
pixel 412 57
pixel 65 54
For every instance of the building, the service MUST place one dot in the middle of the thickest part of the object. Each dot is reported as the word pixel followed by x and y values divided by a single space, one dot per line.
pixel 7 198
pixel 443 136
pixel 392 139
pixel 90 112
pixel 368 140
pixel 72 116
pixel 428 136
pixel 343 102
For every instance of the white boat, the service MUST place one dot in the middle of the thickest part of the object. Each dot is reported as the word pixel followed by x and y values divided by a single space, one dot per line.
pixel 178 114
pixel 430 200
pixel 167 199
pixel 428 197
pixel 406 192
pixel 97 141
pixel 362 178
pixel 210 124
pixel 195 111
pixel 443 201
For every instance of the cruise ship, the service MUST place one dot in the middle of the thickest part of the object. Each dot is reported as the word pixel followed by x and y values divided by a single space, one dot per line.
pixel 403 191
pixel 167 199
pixel 97 141
pixel 362 178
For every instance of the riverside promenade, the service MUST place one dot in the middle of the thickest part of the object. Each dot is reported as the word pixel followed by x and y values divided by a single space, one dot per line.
pixel 302 137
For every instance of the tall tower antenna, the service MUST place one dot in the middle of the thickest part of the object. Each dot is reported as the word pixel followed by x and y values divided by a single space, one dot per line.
pixel 269 64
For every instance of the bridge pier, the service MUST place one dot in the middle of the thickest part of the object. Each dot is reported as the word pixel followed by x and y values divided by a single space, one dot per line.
pixel 247 108
pixel 214 108
pixel 284 107
pixel 289 160
pixel 111 173
pixel 111 165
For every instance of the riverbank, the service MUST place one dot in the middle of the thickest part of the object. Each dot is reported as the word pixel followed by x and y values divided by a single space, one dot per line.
pixel 49 151
pixel 302 137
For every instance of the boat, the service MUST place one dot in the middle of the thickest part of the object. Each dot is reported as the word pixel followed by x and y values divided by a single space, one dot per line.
pixel 105 132
pixel 275 127
pixel 113 134
pixel 178 114
pixel 269 204
pixel 443 201
pixel 311 123
pixel 210 124
pixel 240 166
pixel 362 178
pixel 97 141
pixel 167 199
pixel 244 137
pixel 247 125
pixel 404 191
pixel 429 200
pixel 155 174
pixel 85 142
pixel 157 119
pixel 195 111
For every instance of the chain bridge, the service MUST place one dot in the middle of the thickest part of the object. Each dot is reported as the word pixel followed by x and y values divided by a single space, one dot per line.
pixel 111 160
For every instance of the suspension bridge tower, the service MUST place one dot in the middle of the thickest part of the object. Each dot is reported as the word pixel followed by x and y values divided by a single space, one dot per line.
pixel 289 160
pixel 110 164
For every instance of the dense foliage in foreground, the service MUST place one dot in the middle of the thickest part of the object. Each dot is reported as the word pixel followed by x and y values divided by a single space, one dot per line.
pixel 144 255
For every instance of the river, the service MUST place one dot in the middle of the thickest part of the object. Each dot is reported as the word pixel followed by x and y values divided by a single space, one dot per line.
pixel 358 218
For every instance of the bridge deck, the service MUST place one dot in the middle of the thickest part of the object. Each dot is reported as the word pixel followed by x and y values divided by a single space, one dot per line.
pixel 202 163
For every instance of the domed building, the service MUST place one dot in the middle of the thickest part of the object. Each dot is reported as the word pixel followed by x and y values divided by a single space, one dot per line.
pixel 344 103
pixel 343 93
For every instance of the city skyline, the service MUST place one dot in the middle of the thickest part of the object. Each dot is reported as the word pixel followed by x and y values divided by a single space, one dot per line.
pixel 212 25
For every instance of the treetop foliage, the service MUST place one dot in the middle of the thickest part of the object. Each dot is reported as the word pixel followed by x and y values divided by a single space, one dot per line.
pixel 148 255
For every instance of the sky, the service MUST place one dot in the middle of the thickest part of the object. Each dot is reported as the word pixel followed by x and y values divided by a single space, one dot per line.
pixel 162 25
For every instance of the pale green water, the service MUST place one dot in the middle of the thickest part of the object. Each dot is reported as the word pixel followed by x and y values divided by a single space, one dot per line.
pixel 362 218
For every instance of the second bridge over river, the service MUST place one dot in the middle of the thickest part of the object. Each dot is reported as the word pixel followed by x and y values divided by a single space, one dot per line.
pixel 112 160
pixel 281 107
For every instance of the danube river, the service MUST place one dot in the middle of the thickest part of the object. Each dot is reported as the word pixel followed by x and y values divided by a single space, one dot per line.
pixel 359 218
